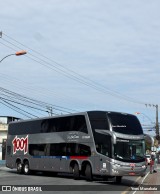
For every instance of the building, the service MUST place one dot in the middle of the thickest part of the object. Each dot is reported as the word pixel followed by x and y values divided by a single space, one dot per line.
pixel 4 121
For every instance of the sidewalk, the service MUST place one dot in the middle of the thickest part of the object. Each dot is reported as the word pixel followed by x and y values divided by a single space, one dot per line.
pixel 2 162
pixel 151 183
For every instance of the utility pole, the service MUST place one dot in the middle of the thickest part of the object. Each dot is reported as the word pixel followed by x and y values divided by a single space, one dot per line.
pixel 157 124
pixel 50 110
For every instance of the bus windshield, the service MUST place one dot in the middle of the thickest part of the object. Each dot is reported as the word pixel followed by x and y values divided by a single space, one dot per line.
pixel 129 150
pixel 125 123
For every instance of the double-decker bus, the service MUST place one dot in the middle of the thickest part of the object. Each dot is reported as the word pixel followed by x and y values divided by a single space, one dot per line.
pixel 93 143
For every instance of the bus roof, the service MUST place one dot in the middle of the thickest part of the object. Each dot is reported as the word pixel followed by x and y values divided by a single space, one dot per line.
pixel 71 114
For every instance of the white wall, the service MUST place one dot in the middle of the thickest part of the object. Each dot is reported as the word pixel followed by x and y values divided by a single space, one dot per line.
pixel 3 120
pixel 3 135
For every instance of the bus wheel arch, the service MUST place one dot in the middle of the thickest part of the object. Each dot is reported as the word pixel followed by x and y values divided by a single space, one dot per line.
pixel 26 168
pixel 19 166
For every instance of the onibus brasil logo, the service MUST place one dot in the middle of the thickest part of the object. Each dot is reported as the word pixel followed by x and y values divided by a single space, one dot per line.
pixel 20 144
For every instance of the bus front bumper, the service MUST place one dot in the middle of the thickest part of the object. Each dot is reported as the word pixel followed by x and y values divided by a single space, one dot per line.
pixel 119 170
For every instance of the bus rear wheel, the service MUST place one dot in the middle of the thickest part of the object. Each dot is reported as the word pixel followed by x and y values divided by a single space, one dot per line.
pixel 26 169
pixel 76 172
pixel 88 173
pixel 19 167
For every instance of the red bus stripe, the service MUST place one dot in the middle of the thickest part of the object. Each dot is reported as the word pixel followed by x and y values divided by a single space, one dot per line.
pixel 79 157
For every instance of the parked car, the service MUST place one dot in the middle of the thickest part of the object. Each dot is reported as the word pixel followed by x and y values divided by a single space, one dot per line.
pixel 148 159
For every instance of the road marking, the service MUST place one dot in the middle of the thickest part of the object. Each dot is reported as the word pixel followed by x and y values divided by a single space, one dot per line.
pixel 142 181
pixel 124 192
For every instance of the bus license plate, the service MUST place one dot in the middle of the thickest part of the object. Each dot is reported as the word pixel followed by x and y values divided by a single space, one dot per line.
pixel 132 173
pixel 132 165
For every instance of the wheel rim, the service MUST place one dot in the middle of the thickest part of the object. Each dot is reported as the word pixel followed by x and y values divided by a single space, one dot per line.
pixel 19 166
pixel 26 168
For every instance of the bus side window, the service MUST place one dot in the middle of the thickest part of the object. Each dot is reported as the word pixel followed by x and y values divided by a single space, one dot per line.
pixel 69 123
pixel 58 149
pixel 45 126
pixel 103 144
pixel 84 150
pixel 62 149
pixel 37 149
pixel 80 124
pixel 53 150
pixel 72 149
pixel 47 150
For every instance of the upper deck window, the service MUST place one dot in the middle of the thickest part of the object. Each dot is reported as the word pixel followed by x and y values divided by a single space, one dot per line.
pixel 62 124
pixel 49 125
pixel 98 120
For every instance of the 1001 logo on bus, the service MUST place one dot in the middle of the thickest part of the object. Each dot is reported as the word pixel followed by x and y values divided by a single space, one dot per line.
pixel 20 144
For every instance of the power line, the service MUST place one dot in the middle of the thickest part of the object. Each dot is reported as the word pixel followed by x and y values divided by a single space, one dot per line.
pixel 40 90
pixel 15 109
pixel 73 75
pixel 18 108
pixel 23 104
pixel 11 95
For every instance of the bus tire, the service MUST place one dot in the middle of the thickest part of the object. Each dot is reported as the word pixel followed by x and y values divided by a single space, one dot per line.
pixel 26 169
pixel 88 173
pixel 76 173
pixel 19 167
pixel 118 179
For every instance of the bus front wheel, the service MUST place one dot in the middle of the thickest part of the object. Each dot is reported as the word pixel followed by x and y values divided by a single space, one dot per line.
pixel 76 173
pixel 88 173
pixel 26 169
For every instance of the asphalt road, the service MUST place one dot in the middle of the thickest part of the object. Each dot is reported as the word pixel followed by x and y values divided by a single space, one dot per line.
pixel 65 182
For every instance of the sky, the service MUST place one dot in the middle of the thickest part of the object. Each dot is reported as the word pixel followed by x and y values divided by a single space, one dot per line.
pixel 83 55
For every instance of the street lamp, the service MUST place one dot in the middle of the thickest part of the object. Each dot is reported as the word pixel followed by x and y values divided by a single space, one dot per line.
pixel 147 127
pixel 17 54
pixel 138 113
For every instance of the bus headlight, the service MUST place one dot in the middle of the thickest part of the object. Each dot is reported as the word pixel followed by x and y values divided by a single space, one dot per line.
pixel 117 165
pixel 115 171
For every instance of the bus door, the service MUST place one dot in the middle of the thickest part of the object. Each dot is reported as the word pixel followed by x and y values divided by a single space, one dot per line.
pixel 103 147
pixel 102 161
pixel 55 157
pixel 63 156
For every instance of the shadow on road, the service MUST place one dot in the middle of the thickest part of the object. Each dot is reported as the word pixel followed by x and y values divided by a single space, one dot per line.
pixel 111 181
